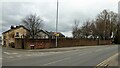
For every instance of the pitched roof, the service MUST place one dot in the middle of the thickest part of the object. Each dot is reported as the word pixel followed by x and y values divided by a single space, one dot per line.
pixel 46 32
pixel 17 27
pixel 52 33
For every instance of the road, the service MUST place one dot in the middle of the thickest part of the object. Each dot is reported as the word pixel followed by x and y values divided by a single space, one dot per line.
pixel 89 56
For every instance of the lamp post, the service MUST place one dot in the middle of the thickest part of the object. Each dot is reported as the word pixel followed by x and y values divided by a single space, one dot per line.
pixel 57 23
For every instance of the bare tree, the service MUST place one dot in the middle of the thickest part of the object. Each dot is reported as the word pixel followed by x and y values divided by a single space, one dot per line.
pixel 86 28
pixel 93 30
pixel 33 23
pixel 113 23
pixel 106 23
pixel 75 29
pixel 117 35
pixel 104 26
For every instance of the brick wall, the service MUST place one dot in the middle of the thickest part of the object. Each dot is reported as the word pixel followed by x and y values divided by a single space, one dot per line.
pixel 50 43
pixel 81 42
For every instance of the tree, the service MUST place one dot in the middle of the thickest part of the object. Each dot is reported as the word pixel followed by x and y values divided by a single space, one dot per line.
pixel 75 31
pixel 105 26
pixel 106 23
pixel 34 24
pixel 117 35
pixel 94 32
pixel 86 29
pixel 113 23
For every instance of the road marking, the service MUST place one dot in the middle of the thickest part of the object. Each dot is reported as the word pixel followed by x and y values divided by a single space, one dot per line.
pixel 10 53
pixel 104 63
pixel 0 58
pixel 7 53
pixel 14 53
pixel 56 61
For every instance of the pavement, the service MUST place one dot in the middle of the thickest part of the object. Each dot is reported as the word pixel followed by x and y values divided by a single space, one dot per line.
pixel 71 56
pixel 60 49
pixel 113 61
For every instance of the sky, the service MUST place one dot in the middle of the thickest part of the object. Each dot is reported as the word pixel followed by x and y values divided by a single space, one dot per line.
pixel 13 11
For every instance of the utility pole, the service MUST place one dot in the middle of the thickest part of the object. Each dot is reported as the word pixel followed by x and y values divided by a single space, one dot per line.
pixel 57 24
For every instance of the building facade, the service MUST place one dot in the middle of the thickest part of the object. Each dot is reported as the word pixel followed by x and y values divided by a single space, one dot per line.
pixel 14 32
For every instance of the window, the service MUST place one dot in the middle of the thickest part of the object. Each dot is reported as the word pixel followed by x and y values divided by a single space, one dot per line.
pixel 13 36
pixel 4 37
pixel 17 34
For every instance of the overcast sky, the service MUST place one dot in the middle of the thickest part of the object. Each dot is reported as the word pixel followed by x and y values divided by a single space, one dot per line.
pixel 13 11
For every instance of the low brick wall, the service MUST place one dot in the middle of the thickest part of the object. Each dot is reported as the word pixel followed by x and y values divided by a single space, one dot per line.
pixel 63 42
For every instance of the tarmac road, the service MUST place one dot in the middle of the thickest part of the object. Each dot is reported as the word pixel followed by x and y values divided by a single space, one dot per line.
pixel 89 56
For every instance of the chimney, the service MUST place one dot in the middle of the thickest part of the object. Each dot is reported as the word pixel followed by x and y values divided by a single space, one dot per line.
pixel 17 26
pixel 12 27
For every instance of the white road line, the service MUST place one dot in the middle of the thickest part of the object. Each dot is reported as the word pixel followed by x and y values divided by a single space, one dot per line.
pixel 10 53
pixel 34 54
pixel 56 61
pixel 14 53
pixel 0 58
pixel 7 53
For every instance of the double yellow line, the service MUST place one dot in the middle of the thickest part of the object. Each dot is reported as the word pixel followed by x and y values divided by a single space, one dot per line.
pixel 105 62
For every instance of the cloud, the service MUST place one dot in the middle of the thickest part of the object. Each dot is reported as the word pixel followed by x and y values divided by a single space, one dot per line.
pixel 13 11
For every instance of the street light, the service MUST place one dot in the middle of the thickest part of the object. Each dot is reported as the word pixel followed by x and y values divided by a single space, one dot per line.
pixel 57 22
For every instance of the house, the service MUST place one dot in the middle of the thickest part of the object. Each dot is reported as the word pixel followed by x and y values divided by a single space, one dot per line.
pixel 51 35
pixel 20 32
pixel 14 32
pixel 58 34
pixel 42 34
